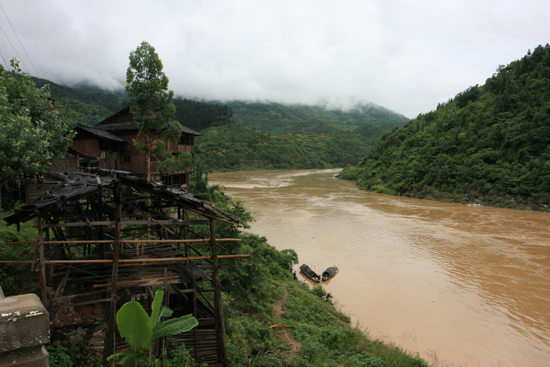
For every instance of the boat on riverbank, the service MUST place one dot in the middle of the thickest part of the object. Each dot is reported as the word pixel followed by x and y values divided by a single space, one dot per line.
pixel 329 273
pixel 306 270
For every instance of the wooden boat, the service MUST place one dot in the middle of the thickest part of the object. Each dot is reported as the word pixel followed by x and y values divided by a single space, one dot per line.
pixel 306 270
pixel 329 273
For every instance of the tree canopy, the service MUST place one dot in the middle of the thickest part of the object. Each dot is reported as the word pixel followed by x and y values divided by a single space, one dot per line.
pixel 151 102
pixel 31 132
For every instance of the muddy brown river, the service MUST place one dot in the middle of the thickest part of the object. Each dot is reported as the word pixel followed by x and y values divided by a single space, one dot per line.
pixel 458 285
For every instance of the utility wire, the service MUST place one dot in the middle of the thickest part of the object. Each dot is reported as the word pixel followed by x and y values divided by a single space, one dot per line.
pixel 3 48
pixel 18 57
pixel 21 43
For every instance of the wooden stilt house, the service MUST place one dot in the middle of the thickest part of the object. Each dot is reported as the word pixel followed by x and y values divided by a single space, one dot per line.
pixel 109 145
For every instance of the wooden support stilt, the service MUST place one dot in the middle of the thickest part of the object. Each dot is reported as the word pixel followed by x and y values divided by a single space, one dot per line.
pixel 218 302
pixel 114 276
pixel 42 263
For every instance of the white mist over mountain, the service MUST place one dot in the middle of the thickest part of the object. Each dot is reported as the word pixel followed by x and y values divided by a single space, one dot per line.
pixel 405 56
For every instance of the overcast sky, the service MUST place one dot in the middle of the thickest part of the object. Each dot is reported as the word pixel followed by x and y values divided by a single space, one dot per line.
pixel 405 55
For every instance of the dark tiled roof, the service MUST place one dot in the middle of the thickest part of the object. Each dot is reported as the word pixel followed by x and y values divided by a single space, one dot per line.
pixel 100 133
pixel 188 131
pixel 119 126
pixel 111 124
pixel 114 117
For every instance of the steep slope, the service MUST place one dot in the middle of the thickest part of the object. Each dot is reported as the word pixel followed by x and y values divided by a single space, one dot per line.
pixel 489 145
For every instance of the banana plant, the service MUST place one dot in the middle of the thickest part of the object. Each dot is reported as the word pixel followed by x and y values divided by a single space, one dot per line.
pixel 140 330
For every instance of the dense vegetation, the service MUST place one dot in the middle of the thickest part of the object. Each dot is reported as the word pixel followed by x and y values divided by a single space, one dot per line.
pixel 232 146
pixel 488 145
pixel 275 136
pixel 84 104
pixel 199 115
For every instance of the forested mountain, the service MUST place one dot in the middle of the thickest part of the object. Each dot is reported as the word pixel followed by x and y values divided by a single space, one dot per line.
pixel 276 136
pixel 200 115
pixel 291 119
pixel 84 104
pixel 232 146
pixel 488 145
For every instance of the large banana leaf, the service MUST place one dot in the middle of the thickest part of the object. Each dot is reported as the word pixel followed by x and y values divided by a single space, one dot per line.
pixel 133 325
pixel 158 311
pixel 155 309
pixel 174 326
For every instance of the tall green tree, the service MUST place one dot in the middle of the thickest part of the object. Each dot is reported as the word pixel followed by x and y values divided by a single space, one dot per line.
pixel 31 131
pixel 151 103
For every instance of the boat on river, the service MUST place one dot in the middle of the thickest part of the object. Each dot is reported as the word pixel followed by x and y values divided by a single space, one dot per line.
pixel 329 273
pixel 306 270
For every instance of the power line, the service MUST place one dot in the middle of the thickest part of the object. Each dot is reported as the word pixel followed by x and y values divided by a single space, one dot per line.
pixel 21 43
pixel 3 48
pixel 14 49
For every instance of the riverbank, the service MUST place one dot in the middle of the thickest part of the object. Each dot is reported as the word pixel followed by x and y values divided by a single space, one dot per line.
pixel 274 319
pixel 460 285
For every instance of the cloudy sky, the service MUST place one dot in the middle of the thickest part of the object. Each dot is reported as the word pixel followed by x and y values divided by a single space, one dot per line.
pixel 405 55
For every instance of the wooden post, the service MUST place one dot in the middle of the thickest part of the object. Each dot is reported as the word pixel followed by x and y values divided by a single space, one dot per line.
pixel 218 302
pixel 114 276
pixel 42 263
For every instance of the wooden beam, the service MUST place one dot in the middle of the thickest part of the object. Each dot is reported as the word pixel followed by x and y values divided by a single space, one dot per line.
pixel 124 261
pixel 95 242
pixel 128 222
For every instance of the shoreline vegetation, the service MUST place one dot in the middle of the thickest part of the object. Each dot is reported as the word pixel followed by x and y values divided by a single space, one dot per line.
pixel 472 198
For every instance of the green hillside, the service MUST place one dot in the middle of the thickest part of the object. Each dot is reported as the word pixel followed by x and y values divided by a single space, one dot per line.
pixel 276 136
pixel 232 146
pixel 83 104
pixel 488 145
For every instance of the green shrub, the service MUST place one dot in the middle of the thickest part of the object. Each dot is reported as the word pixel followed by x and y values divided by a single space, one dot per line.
pixel 181 357
pixel 10 273
pixel 77 354
pixel 319 291
pixel 59 356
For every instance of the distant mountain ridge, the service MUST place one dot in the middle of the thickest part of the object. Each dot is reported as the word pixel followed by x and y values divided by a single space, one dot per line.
pixel 282 118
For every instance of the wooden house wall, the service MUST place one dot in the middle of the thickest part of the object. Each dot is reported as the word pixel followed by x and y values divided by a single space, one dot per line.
pixel 87 146
pixel 64 165
pixel 125 156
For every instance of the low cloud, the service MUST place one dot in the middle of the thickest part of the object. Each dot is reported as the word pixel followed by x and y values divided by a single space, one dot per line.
pixel 405 56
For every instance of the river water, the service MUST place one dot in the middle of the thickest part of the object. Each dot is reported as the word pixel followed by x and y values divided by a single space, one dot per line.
pixel 458 285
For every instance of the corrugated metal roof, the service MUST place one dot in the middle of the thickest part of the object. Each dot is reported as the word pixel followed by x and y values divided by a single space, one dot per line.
pixel 74 187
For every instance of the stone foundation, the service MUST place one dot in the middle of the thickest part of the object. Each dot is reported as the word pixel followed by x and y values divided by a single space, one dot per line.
pixel 24 329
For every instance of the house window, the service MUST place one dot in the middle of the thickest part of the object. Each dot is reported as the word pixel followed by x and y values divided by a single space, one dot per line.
pixel 126 159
